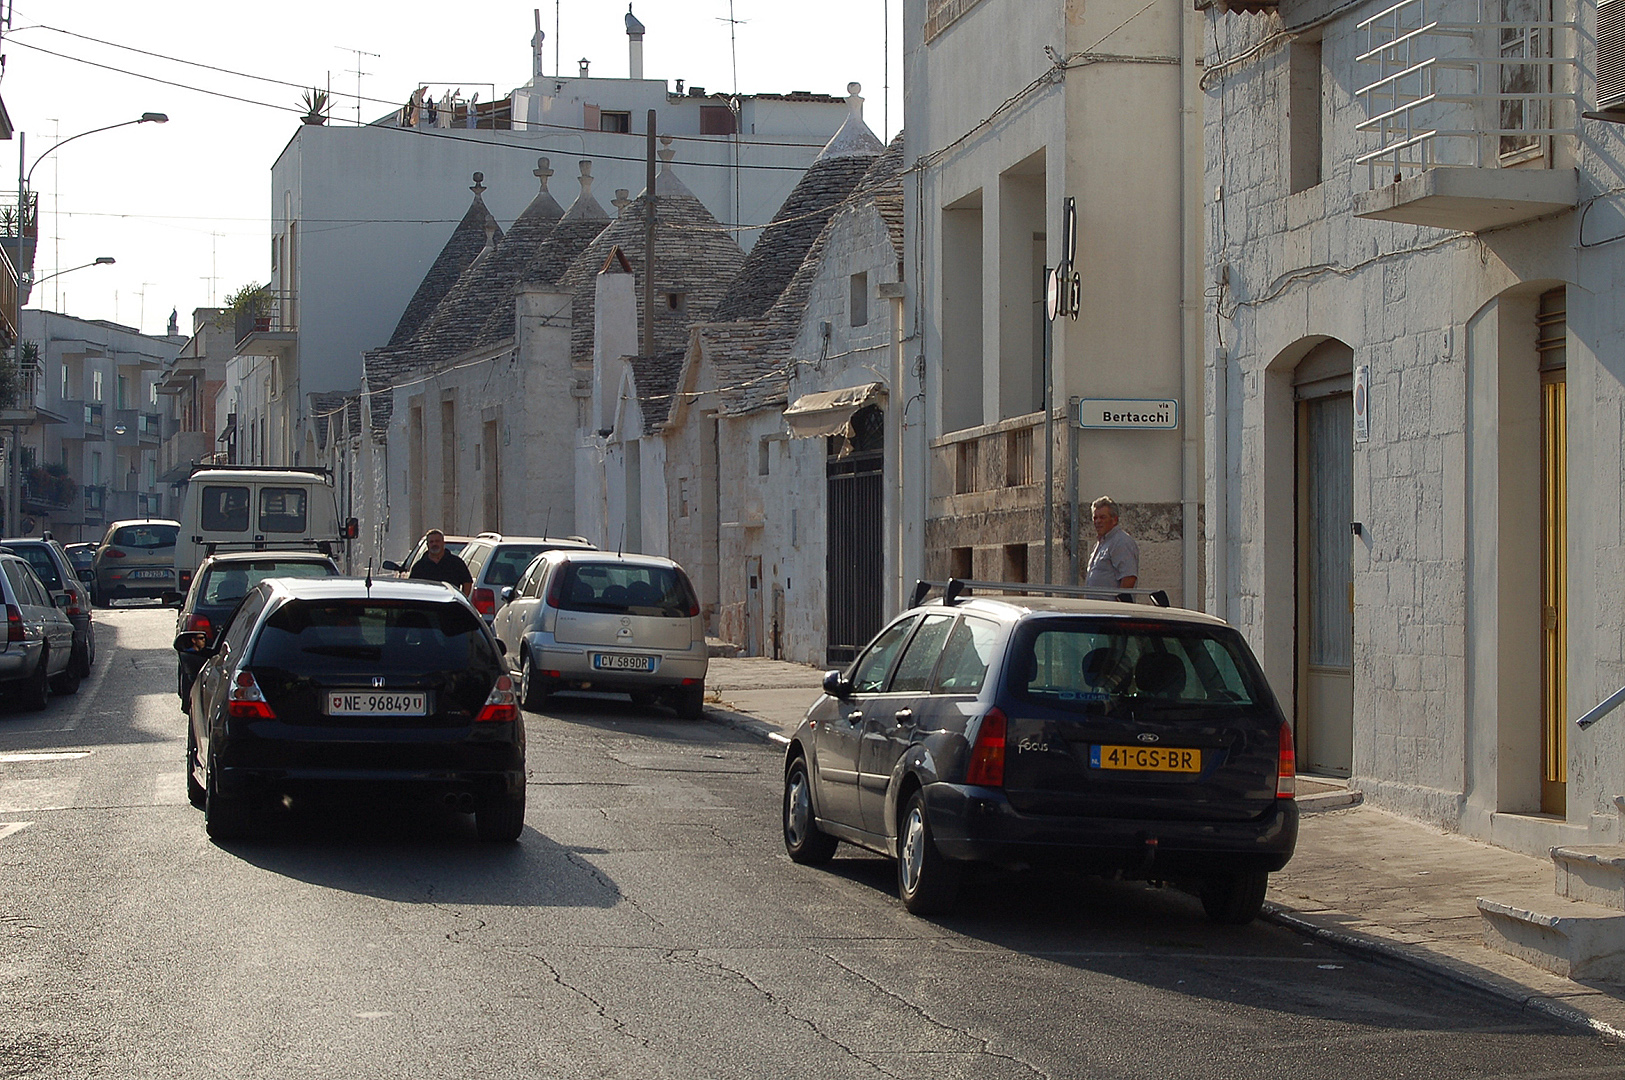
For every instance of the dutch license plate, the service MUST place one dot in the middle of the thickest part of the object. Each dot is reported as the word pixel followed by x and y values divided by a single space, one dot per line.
pixel 376 703
pixel 622 662
pixel 1146 758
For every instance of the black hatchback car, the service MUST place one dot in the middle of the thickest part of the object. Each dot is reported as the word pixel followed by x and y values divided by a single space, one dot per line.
pixel 1109 737
pixel 372 690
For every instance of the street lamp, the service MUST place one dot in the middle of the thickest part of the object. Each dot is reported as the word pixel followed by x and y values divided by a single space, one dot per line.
pixel 144 118
pixel 104 260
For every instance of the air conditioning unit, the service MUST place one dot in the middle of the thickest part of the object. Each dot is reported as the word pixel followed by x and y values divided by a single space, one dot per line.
pixel 1610 55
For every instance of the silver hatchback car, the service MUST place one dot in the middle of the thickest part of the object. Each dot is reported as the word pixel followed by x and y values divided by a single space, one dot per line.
pixel 594 620
pixel 38 643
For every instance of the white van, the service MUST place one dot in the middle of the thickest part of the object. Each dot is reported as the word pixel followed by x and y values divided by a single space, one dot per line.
pixel 252 508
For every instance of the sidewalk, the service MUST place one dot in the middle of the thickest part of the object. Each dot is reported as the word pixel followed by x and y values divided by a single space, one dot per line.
pixel 1361 878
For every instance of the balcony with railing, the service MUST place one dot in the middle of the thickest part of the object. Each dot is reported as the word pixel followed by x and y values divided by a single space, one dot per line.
pixel 1472 113
pixel 180 452
pixel 19 233
pixel 268 327
pixel 20 392
pixel 95 422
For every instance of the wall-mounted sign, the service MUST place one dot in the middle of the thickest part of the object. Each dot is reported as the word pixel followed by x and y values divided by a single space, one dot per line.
pixel 1362 403
pixel 1126 414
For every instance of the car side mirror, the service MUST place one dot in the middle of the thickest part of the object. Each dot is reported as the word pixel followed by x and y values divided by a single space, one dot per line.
pixel 508 594
pixel 502 647
pixel 389 564
pixel 836 685
pixel 193 643
pixel 63 601
pixel 171 598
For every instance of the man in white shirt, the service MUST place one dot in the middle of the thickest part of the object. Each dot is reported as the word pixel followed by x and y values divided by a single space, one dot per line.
pixel 1115 562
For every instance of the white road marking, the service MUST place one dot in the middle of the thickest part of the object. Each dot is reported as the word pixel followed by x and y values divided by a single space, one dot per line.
pixel 13 827
pixel 60 755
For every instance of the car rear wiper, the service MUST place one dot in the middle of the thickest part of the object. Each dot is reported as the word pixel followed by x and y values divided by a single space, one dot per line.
pixel 349 652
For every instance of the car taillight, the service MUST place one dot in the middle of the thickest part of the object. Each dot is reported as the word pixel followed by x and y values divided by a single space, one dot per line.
pixel 14 623
pixel 113 553
pixel 501 704
pixel 485 601
pixel 986 768
pixel 199 623
pixel 75 605
pixel 1286 769
pixel 246 701
pixel 555 588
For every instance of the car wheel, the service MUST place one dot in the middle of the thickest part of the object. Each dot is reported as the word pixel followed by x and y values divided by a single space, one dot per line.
pixel 1234 899
pixel 805 842
pixel 67 681
pixel 531 695
pixel 37 687
pixel 224 818
pixel 927 880
pixel 79 664
pixel 689 702
pixel 195 792
pixel 501 821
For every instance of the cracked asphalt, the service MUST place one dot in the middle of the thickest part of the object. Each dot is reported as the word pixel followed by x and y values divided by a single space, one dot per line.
pixel 647 924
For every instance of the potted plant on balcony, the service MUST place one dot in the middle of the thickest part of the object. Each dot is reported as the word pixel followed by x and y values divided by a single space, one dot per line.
pixel 316 104
pixel 247 310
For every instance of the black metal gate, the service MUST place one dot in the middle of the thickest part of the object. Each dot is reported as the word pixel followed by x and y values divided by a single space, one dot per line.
pixel 855 552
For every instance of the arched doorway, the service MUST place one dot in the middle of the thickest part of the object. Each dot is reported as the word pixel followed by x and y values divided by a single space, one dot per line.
pixel 1323 396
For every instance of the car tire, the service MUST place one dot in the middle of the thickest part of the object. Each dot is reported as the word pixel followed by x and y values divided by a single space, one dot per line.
pixel 531 695
pixel 36 690
pixel 1234 899
pixel 196 794
pixel 804 841
pixel 66 682
pixel 689 702
pixel 224 818
pixel 927 880
pixel 501 821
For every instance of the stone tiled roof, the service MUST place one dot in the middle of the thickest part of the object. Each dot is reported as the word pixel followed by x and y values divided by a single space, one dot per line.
pixel 656 378
pixel 467 241
pixel 549 260
pixel 784 244
pixel 325 409
pixel 694 257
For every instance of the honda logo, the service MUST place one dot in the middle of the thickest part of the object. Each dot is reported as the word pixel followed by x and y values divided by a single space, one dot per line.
pixel 378 684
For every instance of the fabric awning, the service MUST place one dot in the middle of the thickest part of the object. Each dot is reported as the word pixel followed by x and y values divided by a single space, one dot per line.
pixel 829 412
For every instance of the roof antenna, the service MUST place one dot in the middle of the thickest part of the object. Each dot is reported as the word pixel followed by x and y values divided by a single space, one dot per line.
pixel 621 543
pixel 546 521
pixel 369 576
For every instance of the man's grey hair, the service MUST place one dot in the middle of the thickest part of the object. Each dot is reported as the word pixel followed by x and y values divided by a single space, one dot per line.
pixel 1108 504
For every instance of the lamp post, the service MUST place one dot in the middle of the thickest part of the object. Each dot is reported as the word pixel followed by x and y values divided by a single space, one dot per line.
pixel 101 260
pixel 13 508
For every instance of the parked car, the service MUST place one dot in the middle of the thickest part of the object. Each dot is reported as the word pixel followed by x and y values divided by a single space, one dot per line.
pixel 1026 730
pixel 454 544
pixel 594 620
pixel 55 570
pixel 220 585
pixel 135 559
pixel 341 687
pixel 496 562
pixel 83 557
pixel 38 644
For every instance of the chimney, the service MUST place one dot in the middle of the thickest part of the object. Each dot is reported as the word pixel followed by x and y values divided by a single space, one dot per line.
pixel 583 62
pixel 634 44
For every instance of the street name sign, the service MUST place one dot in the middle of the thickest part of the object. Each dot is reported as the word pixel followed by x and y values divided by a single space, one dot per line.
pixel 1128 414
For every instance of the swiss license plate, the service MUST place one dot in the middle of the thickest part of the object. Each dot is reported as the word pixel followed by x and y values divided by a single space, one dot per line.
pixel 148 574
pixel 375 703
pixel 622 662
pixel 1146 758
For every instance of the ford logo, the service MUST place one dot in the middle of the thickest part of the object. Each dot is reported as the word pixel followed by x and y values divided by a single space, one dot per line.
pixel 1146 736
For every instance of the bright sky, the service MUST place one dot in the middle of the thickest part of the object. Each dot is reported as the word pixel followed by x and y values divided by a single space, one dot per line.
pixel 184 207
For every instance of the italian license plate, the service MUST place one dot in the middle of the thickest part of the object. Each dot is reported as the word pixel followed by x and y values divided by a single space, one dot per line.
pixel 376 703
pixel 144 574
pixel 1146 758
pixel 622 662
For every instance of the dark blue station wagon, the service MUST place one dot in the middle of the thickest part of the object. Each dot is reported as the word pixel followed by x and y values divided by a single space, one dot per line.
pixel 1109 737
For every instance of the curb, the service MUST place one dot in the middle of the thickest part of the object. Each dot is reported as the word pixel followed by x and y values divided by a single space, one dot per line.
pixel 746 724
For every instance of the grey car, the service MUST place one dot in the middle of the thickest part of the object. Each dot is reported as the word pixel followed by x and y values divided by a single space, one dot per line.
pixel 135 559
pixel 595 620
pixel 54 567
pixel 496 562
pixel 38 643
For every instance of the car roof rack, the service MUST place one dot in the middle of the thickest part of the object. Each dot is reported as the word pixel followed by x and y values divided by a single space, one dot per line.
pixel 954 588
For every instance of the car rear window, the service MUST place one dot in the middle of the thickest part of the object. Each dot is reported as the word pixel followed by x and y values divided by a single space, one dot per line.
pixel 507 564
pixel 629 589
pixel 282 509
pixel 224 508
pixel 408 636
pixel 43 564
pixel 1156 666
pixel 229 583
pixel 145 536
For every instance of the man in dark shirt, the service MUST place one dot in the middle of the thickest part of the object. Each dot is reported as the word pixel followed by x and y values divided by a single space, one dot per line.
pixel 438 564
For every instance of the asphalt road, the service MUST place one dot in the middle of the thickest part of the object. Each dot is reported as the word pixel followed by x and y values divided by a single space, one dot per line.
pixel 647 924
